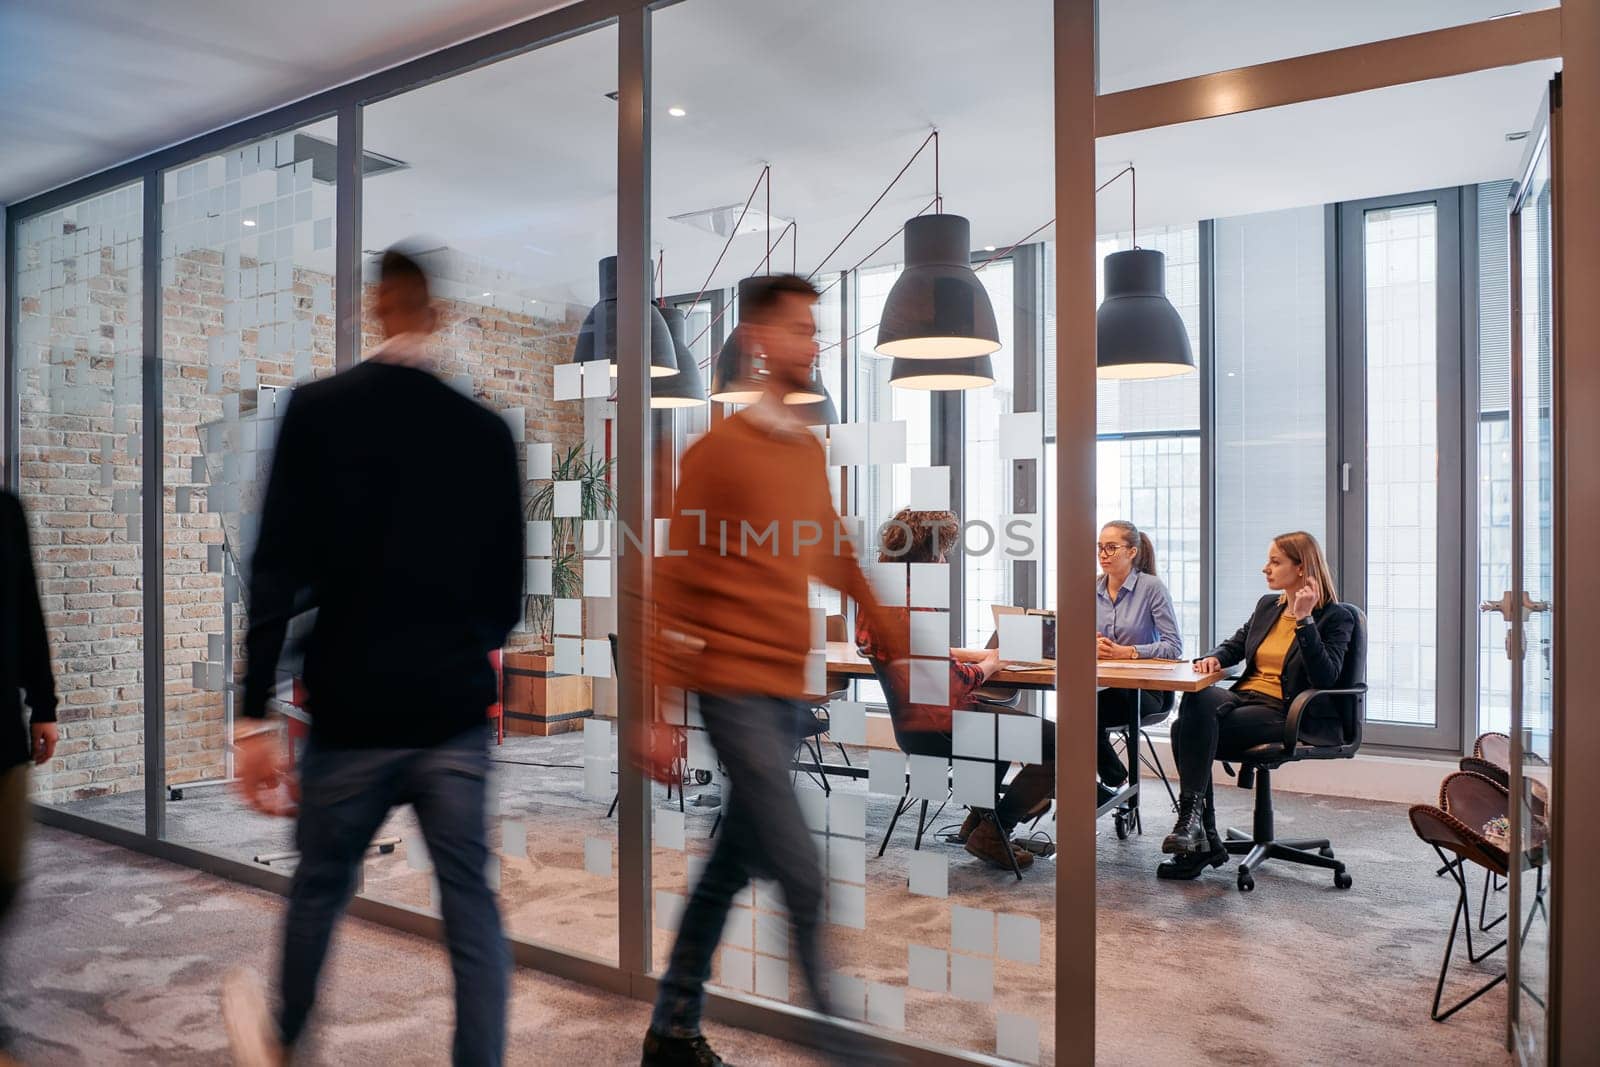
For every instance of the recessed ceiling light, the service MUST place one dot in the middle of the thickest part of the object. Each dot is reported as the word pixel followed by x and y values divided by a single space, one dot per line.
pixel 486 294
pixel 988 248
pixel 249 222
pixel 676 112
pixel 1518 135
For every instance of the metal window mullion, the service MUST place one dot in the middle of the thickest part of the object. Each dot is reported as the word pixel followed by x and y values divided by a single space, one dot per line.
pixel 347 238
pixel 1208 432
pixel 635 690
pixel 152 534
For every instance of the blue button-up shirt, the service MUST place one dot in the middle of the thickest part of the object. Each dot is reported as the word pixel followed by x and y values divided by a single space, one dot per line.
pixel 1141 616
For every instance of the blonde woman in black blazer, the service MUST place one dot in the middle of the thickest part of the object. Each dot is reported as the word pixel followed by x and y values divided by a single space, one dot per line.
pixel 1296 639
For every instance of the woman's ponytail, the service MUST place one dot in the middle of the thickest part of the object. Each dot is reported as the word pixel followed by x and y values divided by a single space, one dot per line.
pixel 1144 560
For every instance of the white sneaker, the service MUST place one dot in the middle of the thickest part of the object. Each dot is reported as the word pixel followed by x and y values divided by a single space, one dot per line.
pixel 252 1034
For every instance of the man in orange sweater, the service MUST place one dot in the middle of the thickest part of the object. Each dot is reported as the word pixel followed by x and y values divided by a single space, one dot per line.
pixel 752 524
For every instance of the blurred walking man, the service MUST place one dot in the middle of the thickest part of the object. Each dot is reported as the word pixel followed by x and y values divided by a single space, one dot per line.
pixel 752 524
pixel 394 510
pixel 24 669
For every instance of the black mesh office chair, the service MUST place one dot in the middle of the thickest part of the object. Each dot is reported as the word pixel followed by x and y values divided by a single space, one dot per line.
pixel 1258 762
pixel 907 801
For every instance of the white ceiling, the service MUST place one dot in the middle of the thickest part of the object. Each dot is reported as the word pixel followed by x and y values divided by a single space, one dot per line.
pixel 86 84
pixel 514 164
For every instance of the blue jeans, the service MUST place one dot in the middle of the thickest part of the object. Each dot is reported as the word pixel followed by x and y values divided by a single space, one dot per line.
pixel 345 795
pixel 763 835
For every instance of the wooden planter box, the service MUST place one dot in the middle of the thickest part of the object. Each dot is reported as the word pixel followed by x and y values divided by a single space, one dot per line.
pixel 539 701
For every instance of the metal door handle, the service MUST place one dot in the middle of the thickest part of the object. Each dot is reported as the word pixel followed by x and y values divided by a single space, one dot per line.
pixel 1502 606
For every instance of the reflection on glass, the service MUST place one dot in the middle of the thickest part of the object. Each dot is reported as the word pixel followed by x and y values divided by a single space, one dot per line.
pixel 247 269
pixel 1538 579
pixel 79 369
pixel 1402 461
pixel 512 235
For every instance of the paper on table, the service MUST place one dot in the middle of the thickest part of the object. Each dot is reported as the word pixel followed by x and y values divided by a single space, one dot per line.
pixel 1138 665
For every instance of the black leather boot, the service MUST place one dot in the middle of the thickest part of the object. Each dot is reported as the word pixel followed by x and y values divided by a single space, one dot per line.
pixel 1187 866
pixel 1189 834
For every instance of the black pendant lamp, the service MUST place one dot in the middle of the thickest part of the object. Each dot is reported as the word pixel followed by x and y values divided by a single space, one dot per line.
pixel 1139 334
pixel 938 309
pixel 597 337
pixel 733 377
pixel 973 372
pixel 682 389
pixel 817 412
pixel 813 393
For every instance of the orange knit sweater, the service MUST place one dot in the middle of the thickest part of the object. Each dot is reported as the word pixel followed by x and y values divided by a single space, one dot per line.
pixel 752 523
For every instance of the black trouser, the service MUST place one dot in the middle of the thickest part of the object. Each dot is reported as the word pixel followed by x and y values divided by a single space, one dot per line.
pixel 1034 783
pixel 1112 714
pixel 1218 724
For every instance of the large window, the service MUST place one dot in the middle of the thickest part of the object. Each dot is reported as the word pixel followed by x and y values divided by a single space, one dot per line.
pixel 1270 389
pixel 1494 453
pixel 1148 452
pixel 989 477
pixel 79 368
pixel 1402 460
pixel 247 281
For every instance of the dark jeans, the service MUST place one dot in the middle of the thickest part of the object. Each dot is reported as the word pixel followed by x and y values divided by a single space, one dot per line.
pixel 763 835
pixel 1112 714
pixel 345 795
pixel 1218 724
pixel 1034 783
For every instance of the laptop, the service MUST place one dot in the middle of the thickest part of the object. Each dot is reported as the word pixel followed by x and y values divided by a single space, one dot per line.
pixel 1049 627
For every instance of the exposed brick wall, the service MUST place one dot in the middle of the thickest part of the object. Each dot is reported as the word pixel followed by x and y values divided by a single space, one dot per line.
pixel 90 569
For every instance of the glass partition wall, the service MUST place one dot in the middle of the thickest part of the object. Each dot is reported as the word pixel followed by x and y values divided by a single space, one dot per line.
pixel 497 164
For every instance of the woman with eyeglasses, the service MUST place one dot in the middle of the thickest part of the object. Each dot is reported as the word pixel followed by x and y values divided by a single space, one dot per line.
pixel 1133 620
pixel 1295 639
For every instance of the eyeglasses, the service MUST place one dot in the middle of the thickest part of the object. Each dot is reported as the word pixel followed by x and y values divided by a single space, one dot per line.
pixel 1111 550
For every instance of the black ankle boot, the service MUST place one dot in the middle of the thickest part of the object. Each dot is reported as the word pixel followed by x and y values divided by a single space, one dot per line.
pixel 1189 834
pixel 663 1051
pixel 1187 866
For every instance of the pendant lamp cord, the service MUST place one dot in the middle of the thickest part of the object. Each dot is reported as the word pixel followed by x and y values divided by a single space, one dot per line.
pixel 766 173
pixel 937 199
pixel 661 278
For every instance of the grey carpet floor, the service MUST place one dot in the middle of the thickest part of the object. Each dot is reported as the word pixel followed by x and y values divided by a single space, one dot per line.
pixel 116 958
pixel 1296 972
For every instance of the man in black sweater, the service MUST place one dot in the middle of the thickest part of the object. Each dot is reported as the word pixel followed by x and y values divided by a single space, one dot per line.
pixel 24 668
pixel 394 511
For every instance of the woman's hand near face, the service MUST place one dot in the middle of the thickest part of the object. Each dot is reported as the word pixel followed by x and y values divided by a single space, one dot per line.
pixel 1304 600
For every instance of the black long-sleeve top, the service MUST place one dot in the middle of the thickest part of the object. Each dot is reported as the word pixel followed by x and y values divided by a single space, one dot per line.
pixel 1314 660
pixel 24 648
pixel 394 510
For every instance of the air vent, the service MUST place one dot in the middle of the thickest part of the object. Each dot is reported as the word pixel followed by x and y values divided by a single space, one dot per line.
pixel 324 157
pixel 721 220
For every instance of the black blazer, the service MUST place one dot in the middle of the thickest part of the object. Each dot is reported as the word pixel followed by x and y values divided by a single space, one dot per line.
pixel 24 648
pixel 1315 659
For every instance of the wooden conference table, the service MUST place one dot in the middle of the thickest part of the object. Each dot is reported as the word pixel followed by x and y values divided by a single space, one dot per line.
pixel 1157 675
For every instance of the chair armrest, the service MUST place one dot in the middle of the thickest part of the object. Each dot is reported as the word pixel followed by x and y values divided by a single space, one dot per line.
pixel 1297 710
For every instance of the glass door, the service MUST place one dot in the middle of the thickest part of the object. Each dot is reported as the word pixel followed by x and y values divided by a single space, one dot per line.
pixel 1526 604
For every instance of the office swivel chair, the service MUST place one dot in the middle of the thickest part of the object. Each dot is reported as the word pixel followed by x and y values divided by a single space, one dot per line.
pixel 1258 762
pixel 1129 817
pixel 905 803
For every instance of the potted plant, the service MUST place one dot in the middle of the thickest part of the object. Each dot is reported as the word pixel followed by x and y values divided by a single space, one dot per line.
pixel 598 500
